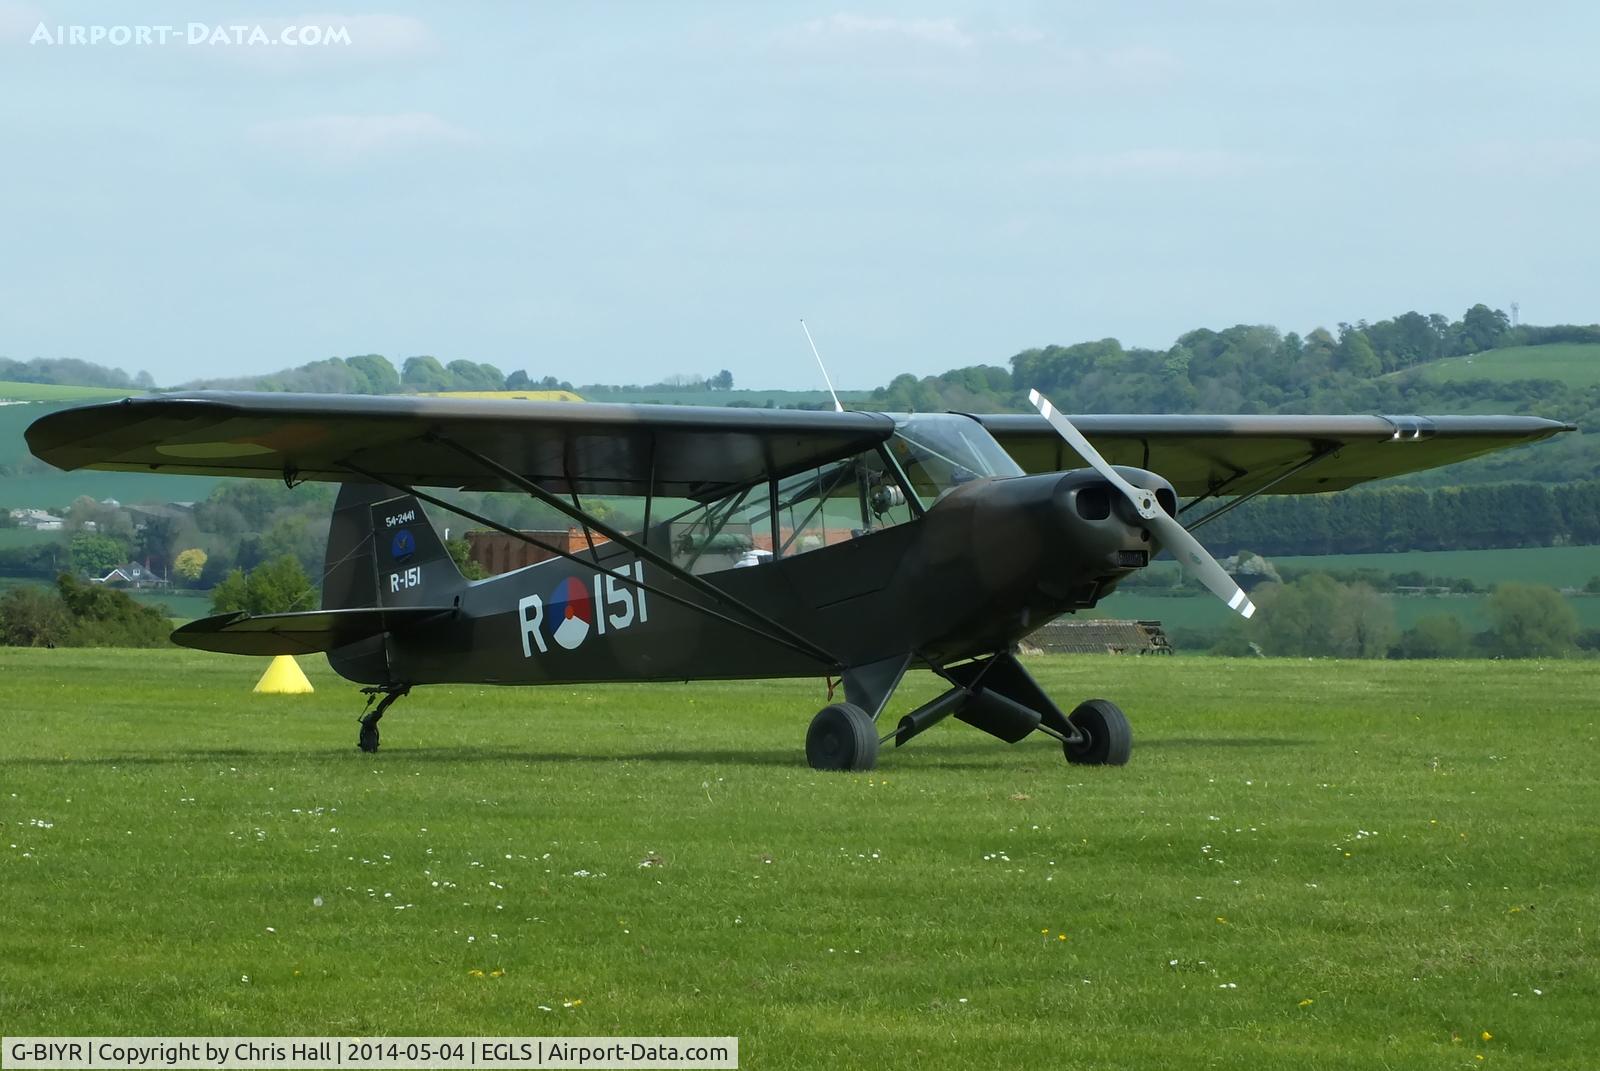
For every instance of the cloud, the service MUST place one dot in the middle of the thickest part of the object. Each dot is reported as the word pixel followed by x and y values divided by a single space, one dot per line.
pixel 1543 158
pixel 845 27
pixel 1156 163
pixel 343 140
pixel 1033 54
pixel 372 40
pixel 18 21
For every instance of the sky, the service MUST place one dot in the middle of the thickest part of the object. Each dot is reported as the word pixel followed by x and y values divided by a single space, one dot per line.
pixel 623 192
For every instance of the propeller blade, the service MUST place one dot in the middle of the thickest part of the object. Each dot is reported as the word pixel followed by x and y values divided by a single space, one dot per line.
pixel 1168 531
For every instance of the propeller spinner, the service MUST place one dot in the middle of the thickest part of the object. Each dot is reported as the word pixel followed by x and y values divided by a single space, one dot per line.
pixel 1172 535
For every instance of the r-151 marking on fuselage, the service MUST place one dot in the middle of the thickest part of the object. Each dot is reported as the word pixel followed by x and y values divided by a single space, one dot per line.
pixel 615 604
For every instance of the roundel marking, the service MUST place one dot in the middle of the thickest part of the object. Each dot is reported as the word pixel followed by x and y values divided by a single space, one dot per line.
pixel 571 613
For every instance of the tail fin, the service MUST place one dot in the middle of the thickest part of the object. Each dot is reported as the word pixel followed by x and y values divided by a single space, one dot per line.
pixel 383 551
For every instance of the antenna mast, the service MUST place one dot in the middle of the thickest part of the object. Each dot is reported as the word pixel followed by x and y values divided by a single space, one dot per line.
pixel 837 408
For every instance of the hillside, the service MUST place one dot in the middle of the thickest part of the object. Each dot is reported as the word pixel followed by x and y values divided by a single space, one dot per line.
pixel 754 399
pixel 1577 364
pixel 59 392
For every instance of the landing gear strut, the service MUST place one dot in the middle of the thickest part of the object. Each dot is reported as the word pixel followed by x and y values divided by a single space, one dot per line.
pixel 994 694
pixel 368 741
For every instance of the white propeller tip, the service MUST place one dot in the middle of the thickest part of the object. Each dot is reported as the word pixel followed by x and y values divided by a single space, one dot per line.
pixel 1249 609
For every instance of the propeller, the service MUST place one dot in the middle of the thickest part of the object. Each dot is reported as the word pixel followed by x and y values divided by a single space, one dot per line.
pixel 1171 534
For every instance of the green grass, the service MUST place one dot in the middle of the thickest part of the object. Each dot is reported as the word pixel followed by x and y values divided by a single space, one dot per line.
pixel 1574 363
pixel 1380 857
pixel 52 392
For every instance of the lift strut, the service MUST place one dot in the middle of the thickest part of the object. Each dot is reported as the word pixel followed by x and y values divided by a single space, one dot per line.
pixel 800 645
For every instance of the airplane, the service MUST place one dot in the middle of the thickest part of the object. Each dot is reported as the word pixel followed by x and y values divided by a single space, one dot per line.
pixel 774 543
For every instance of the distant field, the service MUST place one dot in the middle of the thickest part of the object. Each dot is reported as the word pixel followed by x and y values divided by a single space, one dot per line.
pixel 1558 567
pixel 1209 614
pixel 778 398
pixel 50 392
pixel 1576 363
pixel 510 395
pixel 14 420
pixel 56 490
pixel 179 605
pixel 1306 865
pixel 25 537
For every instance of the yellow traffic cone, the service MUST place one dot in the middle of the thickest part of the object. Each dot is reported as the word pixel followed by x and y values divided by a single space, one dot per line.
pixel 283 677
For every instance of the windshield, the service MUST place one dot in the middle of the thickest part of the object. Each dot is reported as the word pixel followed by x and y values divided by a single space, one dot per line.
pixel 941 451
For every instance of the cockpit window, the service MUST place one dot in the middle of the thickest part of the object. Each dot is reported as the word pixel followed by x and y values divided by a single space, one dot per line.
pixel 941 451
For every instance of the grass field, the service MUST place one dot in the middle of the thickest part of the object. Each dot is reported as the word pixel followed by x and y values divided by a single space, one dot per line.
pixel 1205 612
pixel 57 490
pixel 509 395
pixel 1575 363
pixel 778 398
pixel 1319 865
pixel 10 538
pixel 180 605
pixel 45 488
pixel 1558 567
pixel 51 392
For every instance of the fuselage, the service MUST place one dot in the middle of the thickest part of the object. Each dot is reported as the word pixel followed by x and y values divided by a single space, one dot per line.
pixel 986 564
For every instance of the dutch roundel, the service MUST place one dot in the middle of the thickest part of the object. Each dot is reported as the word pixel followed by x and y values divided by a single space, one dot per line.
pixel 572 612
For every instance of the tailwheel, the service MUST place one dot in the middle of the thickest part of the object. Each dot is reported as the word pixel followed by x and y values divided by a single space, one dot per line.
pixel 842 737
pixel 368 740
pixel 1102 735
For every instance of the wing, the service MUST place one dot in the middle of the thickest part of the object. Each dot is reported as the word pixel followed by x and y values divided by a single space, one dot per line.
pixel 683 451
pixel 1232 455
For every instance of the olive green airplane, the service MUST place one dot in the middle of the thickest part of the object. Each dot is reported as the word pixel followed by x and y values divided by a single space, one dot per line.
pixel 779 543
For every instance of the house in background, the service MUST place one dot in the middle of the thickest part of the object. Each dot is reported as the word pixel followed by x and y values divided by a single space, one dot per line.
pixel 132 575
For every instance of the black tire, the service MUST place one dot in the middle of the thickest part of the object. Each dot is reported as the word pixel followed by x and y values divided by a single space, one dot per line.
pixel 1110 737
pixel 842 737
pixel 369 738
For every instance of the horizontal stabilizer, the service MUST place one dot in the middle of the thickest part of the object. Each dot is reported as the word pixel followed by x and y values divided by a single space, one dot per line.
pixel 303 633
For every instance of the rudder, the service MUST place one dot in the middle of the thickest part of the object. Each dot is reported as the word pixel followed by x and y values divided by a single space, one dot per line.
pixel 383 551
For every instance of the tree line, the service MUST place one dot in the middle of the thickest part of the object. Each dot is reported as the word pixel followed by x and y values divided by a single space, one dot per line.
pixel 1395 518
pixel 1320 617
pixel 72 372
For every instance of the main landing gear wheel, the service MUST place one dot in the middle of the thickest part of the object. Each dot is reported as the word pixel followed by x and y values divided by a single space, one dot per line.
pixel 842 737
pixel 369 736
pixel 1107 736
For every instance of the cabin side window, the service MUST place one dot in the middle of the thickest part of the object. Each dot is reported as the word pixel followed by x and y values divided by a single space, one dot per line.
pixel 801 512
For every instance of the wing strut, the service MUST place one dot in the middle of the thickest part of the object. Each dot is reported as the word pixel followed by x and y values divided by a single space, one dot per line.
pixel 773 631
pixel 1326 452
